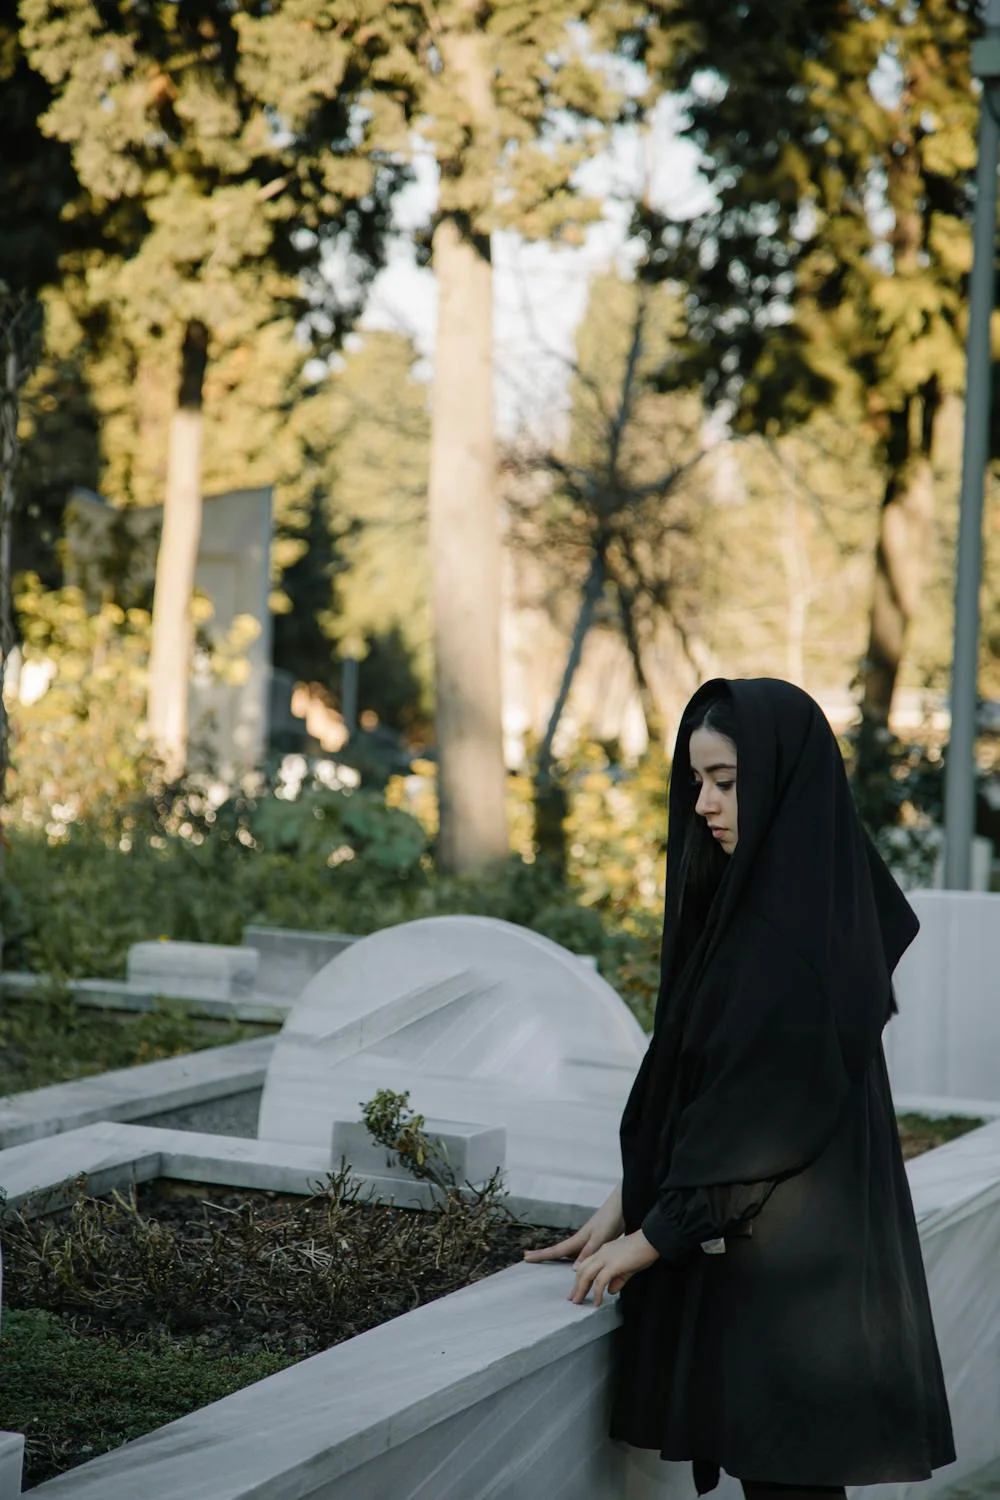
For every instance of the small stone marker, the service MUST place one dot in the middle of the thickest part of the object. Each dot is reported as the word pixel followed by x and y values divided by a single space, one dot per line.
pixel 473 1152
pixel 201 971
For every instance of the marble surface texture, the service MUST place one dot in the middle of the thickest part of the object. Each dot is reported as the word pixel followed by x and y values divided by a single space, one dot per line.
pixel 11 1464
pixel 289 958
pixel 196 969
pixel 478 1020
pixel 946 1038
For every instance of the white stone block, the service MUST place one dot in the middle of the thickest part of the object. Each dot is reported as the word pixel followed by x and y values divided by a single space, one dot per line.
pixel 473 1152
pixel 946 1038
pixel 11 1465
pixel 289 959
pixel 193 969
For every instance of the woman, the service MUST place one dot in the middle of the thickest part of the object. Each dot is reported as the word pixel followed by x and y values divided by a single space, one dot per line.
pixel 776 1322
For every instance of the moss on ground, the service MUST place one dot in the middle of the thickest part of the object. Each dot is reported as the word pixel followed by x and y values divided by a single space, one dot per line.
pixel 76 1391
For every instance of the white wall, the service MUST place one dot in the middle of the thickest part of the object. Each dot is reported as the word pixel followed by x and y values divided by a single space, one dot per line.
pixel 946 1038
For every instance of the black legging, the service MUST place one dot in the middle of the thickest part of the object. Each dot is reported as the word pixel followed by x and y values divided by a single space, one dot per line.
pixel 761 1491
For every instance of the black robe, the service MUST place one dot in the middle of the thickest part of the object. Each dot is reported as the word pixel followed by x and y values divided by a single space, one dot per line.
pixel 761 1115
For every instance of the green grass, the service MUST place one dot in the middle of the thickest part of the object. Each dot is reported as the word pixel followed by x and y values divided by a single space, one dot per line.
pixel 919 1133
pixel 117 1389
pixel 47 1038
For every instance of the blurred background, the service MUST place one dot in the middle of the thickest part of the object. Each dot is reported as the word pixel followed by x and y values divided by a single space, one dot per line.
pixel 406 405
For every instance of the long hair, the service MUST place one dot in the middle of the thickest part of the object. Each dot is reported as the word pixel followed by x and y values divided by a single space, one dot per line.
pixel 703 863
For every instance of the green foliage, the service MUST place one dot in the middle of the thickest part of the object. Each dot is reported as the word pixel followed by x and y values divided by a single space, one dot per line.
pixel 78 750
pixel 804 125
pixel 339 861
pixel 47 1038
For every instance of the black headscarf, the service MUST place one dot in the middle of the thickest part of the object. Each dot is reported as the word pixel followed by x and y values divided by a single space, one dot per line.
pixel 764 1026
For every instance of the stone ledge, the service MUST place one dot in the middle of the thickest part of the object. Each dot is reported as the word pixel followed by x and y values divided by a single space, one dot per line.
pixel 117 994
pixel 325 1418
pixel 200 970
pixel 128 1094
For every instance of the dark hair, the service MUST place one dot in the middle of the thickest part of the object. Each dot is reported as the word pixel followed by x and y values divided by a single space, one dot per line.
pixel 702 862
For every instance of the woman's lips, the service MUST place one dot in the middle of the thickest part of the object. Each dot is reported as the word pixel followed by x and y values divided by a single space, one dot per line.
pixel 718 833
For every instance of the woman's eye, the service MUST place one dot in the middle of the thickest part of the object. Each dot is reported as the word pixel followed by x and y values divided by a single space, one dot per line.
pixel 725 786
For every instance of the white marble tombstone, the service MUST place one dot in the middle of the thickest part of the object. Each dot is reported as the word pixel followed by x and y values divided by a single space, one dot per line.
pixel 228 719
pixel 946 1039
pixel 481 1021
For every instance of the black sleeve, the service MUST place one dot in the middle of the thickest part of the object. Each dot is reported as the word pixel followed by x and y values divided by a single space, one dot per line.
pixel 681 1219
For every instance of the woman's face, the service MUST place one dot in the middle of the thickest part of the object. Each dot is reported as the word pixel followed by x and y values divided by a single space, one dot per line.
pixel 713 766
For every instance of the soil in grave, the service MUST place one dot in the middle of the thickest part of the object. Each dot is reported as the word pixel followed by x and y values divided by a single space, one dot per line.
pixel 124 1313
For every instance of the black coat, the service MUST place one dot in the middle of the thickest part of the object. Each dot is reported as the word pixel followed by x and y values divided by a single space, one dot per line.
pixel 804 1353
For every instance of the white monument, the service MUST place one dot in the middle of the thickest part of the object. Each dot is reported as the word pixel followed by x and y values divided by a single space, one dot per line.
pixel 230 719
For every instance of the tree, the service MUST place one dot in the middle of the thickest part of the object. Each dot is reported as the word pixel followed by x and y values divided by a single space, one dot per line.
pixel 17 349
pixel 509 100
pixel 830 270
pixel 215 210
pixel 621 505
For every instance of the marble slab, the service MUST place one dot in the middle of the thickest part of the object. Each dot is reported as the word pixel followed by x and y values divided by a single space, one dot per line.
pixel 289 958
pixel 134 1093
pixel 11 1465
pixel 114 994
pixel 946 1038
pixel 476 1019
pixel 211 970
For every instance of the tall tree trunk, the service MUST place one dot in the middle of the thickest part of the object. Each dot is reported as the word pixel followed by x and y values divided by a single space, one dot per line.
pixel 798 577
pixel 902 554
pixel 464 519
pixel 9 386
pixel 647 698
pixel 592 590
pixel 550 798
pixel 173 635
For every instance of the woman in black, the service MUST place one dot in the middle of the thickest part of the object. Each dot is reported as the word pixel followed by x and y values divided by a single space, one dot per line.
pixel 776 1322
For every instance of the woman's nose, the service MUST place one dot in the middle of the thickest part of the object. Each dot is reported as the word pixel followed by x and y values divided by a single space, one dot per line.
pixel 705 802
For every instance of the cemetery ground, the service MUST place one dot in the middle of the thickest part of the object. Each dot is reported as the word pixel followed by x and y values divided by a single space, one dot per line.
pixel 125 1312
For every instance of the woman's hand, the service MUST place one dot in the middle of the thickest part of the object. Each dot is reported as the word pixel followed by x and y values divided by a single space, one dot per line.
pixel 608 1269
pixel 606 1224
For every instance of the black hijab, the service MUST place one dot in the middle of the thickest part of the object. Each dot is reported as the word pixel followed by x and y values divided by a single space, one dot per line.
pixel 764 1025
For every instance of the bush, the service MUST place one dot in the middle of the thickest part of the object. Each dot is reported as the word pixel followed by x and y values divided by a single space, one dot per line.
pixel 328 858
pixel 47 1038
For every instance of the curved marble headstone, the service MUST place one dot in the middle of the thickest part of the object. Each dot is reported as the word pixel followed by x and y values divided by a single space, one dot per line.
pixel 481 1021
